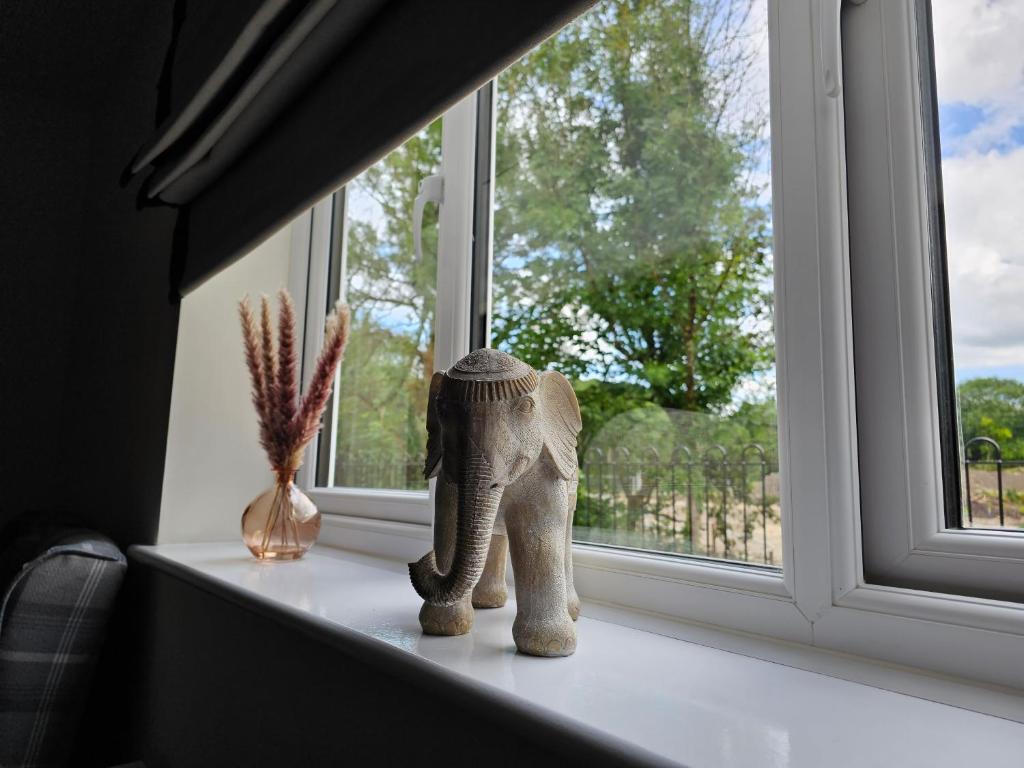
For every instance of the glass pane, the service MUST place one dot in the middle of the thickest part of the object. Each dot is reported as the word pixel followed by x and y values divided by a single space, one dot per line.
pixel 979 68
pixel 633 253
pixel 380 431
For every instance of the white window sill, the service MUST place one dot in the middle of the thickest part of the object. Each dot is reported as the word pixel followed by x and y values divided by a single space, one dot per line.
pixel 645 693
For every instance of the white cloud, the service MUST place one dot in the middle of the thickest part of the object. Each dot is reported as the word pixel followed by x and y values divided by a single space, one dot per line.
pixel 985 237
pixel 979 60
pixel 978 55
pixel 979 64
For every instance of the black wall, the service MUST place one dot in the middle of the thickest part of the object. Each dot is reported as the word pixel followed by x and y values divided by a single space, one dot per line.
pixel 87 329
pixel 222 684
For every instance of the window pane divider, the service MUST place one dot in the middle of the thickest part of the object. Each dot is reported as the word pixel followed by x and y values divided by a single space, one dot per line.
pixel 903 370
pixel 311 244
pixel 455 234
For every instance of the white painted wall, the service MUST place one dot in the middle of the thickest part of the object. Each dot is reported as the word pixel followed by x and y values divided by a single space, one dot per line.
pixel 214 465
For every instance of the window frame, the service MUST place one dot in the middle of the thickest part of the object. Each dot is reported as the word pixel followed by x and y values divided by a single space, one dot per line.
pixel 909 442
pixel 321 246
pixel 821 596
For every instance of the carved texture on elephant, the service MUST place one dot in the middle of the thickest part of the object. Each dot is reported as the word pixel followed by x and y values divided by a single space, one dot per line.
pixel 433 462
pixel 503 438
pixel 561 409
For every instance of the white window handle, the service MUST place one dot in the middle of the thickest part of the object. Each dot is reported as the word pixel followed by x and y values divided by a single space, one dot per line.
pixel 431 191
pixel 830 40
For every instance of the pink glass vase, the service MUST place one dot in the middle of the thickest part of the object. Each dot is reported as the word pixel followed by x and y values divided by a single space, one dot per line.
pixel 282 523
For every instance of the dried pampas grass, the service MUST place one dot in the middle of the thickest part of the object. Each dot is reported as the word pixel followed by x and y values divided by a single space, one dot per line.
pixel 288 422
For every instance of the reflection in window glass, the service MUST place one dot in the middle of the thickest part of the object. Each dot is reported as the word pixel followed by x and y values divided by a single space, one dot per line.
pixel 632 252
pixel 979 74
pixel 380 430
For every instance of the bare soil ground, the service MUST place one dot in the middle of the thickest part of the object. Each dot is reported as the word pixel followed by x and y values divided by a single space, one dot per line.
pixel 984 486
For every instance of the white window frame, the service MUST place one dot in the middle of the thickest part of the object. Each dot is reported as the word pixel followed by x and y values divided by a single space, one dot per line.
pixel 907 541
pixel 312 248
pixel 821 596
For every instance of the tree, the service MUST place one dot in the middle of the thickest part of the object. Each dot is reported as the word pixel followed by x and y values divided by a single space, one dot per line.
pixel 628 246
pixel 993 407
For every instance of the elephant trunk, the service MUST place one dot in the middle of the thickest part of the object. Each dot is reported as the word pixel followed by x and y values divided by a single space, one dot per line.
pixel 477 507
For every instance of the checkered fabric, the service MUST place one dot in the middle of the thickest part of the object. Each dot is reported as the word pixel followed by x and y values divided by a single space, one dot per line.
pixel 53 617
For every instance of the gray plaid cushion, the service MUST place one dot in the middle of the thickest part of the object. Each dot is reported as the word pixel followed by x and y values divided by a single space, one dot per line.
pixel 53 617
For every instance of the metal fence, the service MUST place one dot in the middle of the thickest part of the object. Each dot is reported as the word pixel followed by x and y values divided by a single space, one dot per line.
pixel 980 500
pixel 370 469
pixel 716 503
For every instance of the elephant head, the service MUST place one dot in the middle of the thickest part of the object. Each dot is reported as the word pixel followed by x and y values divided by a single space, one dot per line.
pixel 490 418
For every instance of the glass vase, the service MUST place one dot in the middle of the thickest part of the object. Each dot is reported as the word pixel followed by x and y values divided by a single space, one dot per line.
pixel 282 523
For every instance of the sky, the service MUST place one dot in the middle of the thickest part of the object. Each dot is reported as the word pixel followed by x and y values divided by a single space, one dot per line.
pixel 979 67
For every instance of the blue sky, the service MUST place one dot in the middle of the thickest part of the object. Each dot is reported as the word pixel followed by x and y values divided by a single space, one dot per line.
pixel 1000 371
pixel 958 120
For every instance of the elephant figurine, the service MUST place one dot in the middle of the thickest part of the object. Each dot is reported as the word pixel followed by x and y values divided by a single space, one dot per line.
pixel 501 442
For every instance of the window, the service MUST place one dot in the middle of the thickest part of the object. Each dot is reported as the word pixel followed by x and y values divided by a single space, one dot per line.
pixel 931 131
pixel 979 100
pixel 763 312
pixel 407 279
pixel 377 433
pixel 664 196
pixel 632 252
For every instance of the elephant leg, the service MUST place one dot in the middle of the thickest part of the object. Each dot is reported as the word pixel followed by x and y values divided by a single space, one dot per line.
pixel 491 591
pixel 449 619
pixel 536 533
pixel 572 598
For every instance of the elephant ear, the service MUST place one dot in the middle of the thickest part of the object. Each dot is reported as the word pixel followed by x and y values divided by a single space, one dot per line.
pixel 433 462
pixel 562 421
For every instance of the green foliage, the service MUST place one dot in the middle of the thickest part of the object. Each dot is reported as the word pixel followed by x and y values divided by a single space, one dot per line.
pixel 994 408
pixel 628 246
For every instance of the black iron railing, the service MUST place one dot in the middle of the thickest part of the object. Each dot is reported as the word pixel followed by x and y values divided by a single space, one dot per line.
pixel 986 455
pixel 717 503
pixel 370 469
